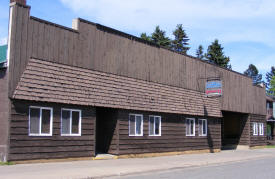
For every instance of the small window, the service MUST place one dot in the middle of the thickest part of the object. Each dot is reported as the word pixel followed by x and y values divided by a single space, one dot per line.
pixel 255 128
pixel 261 129
pixel 154 126
pixel 70 122
pixel 40 121
pixel 190 127
pixel 135 125
pixel 202 127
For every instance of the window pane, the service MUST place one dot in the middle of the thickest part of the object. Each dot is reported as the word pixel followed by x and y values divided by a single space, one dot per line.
pixel 75 122
pixel 46 119
pixel 191 127
pixel 187 127
pixel 34 120
pixel 151 123
pixel 200 127
pixel 65 122
pixel 138 125
pixel 132 125
pixel 204 127
pixel 157 124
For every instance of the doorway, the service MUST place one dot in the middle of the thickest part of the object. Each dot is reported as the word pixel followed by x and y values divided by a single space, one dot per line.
pixel 106 121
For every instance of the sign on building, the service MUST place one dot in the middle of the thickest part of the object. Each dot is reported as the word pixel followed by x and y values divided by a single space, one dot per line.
pixel 213 88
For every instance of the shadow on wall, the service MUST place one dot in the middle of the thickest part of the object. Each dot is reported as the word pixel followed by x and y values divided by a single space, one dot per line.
pixel 209 136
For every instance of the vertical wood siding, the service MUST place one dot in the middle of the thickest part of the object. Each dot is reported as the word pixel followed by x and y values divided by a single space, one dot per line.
pixel 24 147
pixel 94 47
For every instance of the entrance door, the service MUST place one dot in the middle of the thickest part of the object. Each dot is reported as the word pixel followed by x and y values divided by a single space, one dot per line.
pixel 106 120
pixel 234 129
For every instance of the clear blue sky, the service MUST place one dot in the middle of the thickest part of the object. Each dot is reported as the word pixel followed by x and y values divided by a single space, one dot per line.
pixel 245 28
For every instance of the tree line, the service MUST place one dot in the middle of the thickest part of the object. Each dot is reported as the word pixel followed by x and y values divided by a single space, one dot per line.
pixel 180 43
pixel 214 54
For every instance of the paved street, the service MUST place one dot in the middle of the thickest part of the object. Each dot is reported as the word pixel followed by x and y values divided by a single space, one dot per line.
pixel 242 164
pixel 258 168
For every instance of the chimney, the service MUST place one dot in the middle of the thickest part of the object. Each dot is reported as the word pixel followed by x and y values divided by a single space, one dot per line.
pixel 22 2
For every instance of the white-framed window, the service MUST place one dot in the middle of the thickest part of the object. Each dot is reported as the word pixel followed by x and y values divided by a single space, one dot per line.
pixel 135 125
pixel 70 122
pixel 190 127
pixel 261 128
pixel 255 128
pixel 154 126
pixel 202 127
pixel 40 121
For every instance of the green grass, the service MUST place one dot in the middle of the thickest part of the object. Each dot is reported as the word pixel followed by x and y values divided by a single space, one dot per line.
pixel 6 163
pixel 270 146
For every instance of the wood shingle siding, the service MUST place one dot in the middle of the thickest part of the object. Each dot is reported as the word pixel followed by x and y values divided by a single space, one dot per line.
pixel 52 82
pixel 25 147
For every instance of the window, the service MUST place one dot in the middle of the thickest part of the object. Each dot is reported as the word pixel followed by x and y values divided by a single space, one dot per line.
pixel 255 128
pixel 135 125
pixel 261 129
pixel 190 127
pixel 40 121
pixel 70 122
pixel 202 127
pixel 154 126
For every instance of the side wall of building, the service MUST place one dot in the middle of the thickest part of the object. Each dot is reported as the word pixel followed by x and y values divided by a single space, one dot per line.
pixel 173 134
pixel 4 114
pixel 25 147
pixel 257 140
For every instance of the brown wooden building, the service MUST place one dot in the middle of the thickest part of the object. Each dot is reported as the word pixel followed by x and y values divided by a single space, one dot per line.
pixel 92 89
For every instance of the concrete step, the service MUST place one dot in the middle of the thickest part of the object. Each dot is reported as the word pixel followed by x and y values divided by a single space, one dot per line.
pixel 105 157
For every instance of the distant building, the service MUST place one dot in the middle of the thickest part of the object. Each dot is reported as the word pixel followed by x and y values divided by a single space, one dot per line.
pixel 270 117
pixel 3 56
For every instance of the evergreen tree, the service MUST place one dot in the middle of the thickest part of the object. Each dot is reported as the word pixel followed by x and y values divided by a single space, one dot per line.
pixel 144 36
pixel 180 42
pixel 272 87
pixel 253 72
pixel 158 37
pixel 199 52
pixel 216 55
pixel 269 76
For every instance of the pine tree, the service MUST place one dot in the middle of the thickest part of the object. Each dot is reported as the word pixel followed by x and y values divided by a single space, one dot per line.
pixel 272 87
pixel 180 42
pixel 199 52
pixel 216 55
pixel 269 76
pixel 158 37
pixel 253 72
pixel 144 36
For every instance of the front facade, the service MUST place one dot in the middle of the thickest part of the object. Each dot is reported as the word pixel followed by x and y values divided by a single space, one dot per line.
pixel 270 117
pixel 92 89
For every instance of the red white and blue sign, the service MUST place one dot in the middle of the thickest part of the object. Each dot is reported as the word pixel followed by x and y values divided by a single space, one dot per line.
pixel 213 88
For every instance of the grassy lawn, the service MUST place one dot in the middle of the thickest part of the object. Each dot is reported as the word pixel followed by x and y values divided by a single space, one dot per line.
pixel 6 163
pixel 270 146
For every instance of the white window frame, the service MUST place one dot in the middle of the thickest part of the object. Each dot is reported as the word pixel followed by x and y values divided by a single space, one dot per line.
pixel 80 122
pixel 261 129
pixel 188 125
pixel 255 128
pixel 154 116
pixel 201 127
pixel 141 127
pixel 40 121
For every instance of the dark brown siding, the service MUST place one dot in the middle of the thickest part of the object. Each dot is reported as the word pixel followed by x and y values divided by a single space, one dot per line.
pixel 25 147
pixel 173 135
pixel 4 114
pixel 93 46
pixel 245 131
pixel 257 140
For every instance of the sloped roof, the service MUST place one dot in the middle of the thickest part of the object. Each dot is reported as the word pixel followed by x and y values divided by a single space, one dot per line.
pixel 3 53
pixel 52 82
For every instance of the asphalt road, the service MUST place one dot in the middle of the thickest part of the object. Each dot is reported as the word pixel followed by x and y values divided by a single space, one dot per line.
pixel 256 168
